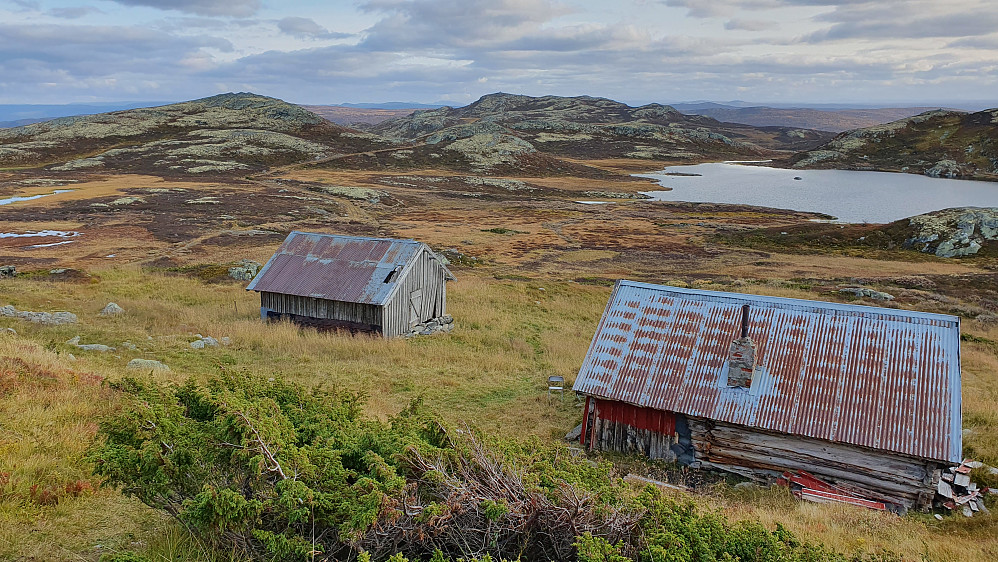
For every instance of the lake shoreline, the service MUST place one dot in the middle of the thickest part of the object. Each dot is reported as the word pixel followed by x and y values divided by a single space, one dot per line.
pixel 851 196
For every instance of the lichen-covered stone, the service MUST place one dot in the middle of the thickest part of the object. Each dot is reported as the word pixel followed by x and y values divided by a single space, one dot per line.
pixel 111 309
pixel 146 365
pixel 868 293
pixel 245 270
pixel 953 232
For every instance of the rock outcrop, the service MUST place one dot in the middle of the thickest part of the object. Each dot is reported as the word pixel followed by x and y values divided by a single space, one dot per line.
pixel 99 347
pixel 245 270
pixel 46 318
pixel 953 233
pixel 868 293
pixel 204 341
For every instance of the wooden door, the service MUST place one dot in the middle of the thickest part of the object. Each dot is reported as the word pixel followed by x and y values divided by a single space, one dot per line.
pixel 415 307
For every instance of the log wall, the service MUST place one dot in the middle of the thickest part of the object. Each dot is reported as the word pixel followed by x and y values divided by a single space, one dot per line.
pixel 893 478
pixel 904 481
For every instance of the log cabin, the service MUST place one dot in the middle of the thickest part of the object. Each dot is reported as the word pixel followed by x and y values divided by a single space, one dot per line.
pixel 868 398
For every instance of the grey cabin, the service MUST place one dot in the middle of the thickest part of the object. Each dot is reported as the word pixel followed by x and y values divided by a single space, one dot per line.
pixel 379 285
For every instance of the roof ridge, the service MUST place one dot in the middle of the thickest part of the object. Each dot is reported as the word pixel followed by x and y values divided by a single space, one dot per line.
pixel 819 304
pixel 331 235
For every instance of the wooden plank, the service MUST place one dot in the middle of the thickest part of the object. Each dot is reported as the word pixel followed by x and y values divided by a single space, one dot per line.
pixel 640 480
pixel 820 496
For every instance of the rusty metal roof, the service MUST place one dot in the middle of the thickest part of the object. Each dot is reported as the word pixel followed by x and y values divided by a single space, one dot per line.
pixel 340 268
pixel 874 377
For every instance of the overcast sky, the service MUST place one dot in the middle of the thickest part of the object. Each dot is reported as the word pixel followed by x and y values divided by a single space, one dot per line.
pixel 813 51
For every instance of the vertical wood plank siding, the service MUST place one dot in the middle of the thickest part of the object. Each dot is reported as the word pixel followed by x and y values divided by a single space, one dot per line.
pixel 626 428
pixel 322 308
pixel 425 275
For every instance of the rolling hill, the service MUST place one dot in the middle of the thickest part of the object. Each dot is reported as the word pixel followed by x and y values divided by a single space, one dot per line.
pixel 220 134
pixel 949 144
pixel 501 133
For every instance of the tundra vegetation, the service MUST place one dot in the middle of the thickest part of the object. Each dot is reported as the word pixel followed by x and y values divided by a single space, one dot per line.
pixel 435 448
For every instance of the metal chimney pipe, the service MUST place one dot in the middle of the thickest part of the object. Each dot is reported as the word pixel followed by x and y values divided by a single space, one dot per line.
pixel 745 320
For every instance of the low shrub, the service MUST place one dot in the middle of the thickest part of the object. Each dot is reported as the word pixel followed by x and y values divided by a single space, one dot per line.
pixel 275 471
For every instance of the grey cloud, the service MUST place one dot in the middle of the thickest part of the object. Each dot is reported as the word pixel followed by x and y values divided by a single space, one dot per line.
pixel 454 23
pixel 55 49
pixel 425 50
pixel 306 28
pixel 26 5
pixel 73 13
pixel 232 8
pixel 986 43
pixel 724 8
pixel 750 25
pixel 865 26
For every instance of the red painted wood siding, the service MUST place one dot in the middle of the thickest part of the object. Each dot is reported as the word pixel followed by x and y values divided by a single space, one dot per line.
pixel 637 417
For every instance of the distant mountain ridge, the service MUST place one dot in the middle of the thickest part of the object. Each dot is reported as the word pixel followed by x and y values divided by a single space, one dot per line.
pixel 44 112
pixel 357 117
pixel 834 120
pixel 391 105
pixel 950 144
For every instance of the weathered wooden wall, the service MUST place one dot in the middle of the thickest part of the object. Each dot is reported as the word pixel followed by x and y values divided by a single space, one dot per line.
pixel 877 474
pixel 427 276
pixel 367 314
pixel 624 428
pixel 897 479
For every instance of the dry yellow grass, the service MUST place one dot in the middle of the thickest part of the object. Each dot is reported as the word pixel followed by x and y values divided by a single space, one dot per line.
pixel 102 187
pixel 490 372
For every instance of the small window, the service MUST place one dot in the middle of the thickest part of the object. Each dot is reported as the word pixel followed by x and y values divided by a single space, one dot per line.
pixel 392 275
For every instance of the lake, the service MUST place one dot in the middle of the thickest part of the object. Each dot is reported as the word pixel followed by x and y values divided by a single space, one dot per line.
pixel 851 196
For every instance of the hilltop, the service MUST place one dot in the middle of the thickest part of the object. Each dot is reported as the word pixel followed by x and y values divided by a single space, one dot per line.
pixel 592 128
pixel 219 134
pixel 949 144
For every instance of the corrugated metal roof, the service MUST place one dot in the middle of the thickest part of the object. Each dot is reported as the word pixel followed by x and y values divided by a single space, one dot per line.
pixel 334 267
pixel 875 377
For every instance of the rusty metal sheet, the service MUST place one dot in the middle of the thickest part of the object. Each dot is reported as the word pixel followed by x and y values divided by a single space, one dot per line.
pixel 333 267
pixel 874 377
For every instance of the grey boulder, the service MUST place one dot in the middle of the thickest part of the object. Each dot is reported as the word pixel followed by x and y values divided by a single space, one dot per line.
pixel 146 365
pixel 112 309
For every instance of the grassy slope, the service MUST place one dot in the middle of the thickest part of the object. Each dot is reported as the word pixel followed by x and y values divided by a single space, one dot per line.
pixel 489 372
